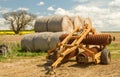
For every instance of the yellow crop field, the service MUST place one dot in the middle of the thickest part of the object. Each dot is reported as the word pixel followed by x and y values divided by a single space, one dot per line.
pixel 10 32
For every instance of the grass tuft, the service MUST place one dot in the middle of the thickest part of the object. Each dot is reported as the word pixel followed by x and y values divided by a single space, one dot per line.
pixel 16 51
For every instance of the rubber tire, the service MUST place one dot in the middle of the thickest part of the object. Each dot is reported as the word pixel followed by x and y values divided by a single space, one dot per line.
pixel 105 56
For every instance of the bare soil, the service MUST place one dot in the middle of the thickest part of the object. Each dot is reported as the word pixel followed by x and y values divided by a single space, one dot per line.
pixel 38 67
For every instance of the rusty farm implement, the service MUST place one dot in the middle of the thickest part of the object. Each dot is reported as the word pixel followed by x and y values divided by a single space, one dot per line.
pixel 84 44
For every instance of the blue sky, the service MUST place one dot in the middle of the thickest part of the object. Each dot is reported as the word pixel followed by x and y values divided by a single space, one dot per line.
pixel 105 14
pixel 39 7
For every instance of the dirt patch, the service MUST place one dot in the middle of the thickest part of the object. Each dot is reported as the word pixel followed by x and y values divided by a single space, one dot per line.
pixel 37 67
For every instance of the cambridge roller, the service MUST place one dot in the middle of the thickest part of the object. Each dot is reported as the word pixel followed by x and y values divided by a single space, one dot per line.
pixel 84 43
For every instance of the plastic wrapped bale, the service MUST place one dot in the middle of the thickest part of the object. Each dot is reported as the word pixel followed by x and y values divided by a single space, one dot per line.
pixel 27 42
pixel 77 21
pixel 54 39
pixel 41 24
pixel 60 23
pixel 41 41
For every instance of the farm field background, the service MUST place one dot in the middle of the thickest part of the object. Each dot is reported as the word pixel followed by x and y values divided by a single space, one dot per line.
pixel 33 64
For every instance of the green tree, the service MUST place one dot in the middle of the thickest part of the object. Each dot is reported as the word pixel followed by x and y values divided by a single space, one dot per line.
pixel 18 20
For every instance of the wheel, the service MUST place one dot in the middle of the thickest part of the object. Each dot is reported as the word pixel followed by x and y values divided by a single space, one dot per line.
pixel 105 56
pixel 81 59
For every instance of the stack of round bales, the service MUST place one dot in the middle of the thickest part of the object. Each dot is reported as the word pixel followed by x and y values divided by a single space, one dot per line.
pixel 40 41
pixel 77 22
pixel 50 28
pixel 37 41
pixel 53 24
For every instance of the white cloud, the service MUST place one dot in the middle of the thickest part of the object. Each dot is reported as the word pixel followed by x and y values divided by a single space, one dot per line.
pixel 40 3
pixel 84 11
pixel 88 9
pixel 61 11
pixel 22 8
pixel 39 17
pixel 3 26
pixel 2 20
pixel 50 8
pixel 4 10
pixel 115 3
pixel 80 0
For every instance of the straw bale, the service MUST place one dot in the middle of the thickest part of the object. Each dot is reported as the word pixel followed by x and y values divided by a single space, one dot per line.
pixel 41 41
pixel 54 39
pixel 60 23
pixel 77 21
pixel 27 42
pixel 41 24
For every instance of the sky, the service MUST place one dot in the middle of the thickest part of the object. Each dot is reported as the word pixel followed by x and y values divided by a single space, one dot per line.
pixel 105 14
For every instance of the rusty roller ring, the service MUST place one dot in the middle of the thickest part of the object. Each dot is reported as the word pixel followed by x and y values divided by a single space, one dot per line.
pixel 97 39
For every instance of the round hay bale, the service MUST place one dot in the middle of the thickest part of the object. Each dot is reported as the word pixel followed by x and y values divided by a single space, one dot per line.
pixel 41 24
pixel 27 42
pixel 60 23
pixel 54 39
pixel 41 41
pixel 77 21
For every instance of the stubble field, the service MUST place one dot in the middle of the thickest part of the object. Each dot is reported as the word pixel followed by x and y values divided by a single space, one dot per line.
pixel 37 67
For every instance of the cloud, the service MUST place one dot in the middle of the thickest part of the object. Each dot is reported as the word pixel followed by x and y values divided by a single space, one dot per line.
pixel 81 8
pixel 3 26
pixel 50 8
pixel 61 11
pixel 41 3
pixel 115 3
pixel 2 20
pixel 22 8
pixel 4 10
pixel 80 1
